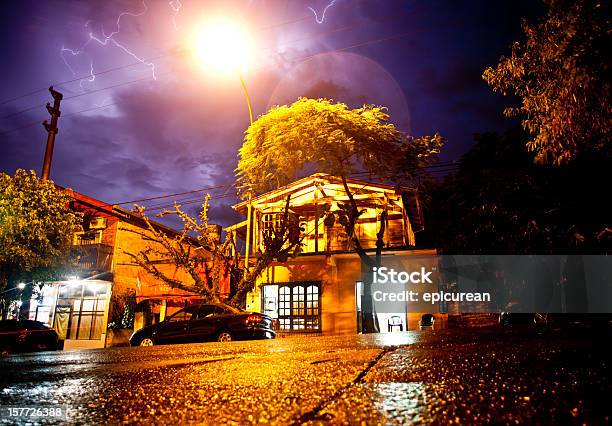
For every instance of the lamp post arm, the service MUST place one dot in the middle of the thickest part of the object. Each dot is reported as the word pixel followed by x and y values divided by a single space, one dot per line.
pixel 246 94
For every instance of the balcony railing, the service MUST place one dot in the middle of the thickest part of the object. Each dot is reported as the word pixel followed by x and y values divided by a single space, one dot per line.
pixel 94 258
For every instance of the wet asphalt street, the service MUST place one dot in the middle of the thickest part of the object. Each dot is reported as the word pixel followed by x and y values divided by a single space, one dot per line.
pixel 452 376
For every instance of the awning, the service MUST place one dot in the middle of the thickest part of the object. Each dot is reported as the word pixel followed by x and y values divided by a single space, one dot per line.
pixel 239 228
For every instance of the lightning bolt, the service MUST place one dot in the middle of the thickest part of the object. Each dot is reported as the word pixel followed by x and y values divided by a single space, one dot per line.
pixel 105 39
pixel 72 52
pixel 109 38
pixel 76 52
pixel 321 19
pixel 176 6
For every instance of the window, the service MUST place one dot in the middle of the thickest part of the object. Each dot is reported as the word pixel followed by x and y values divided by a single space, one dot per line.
pixel 270 221
pixel 183 315
pixel 207 311
pixel 87 237
pixel 296 306
pixel 42 303
pixel 86 303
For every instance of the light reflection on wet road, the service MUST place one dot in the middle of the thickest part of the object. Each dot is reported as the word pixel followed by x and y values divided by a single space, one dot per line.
pixel 470 376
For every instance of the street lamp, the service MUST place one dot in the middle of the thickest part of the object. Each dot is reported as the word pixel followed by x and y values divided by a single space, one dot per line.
pixel 21 286
pixel 225 46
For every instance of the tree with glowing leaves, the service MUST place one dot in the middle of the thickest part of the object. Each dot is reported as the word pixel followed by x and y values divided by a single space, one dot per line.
pixel 332 138
pixel 36 231
pixel 561 76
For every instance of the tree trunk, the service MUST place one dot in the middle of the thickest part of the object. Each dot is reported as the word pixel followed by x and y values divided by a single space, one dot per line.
pixel 370 321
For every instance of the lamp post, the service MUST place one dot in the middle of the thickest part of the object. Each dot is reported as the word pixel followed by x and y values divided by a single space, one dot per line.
pixel 247 247
pixel 225 46
pixel 246 95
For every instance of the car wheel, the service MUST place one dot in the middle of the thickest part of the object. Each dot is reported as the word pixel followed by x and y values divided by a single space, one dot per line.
pixel 147 341
pixel 225 336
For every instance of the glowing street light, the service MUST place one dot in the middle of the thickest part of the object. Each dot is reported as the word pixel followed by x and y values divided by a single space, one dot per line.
pixel 225 46
pixel 21 286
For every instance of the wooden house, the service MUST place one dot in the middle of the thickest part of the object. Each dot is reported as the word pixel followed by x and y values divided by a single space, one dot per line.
pixel 319 290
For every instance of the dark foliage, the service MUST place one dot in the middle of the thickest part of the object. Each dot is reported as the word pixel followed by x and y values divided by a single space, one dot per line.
pixel 500 202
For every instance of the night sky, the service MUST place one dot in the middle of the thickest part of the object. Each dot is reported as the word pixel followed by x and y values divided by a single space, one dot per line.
pixel 154 121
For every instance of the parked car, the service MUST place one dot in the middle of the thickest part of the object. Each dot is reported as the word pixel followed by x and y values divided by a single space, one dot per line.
pixel 516 318
pixel 208 322
pixel 573 320
pixel 427 321
pixel 26 336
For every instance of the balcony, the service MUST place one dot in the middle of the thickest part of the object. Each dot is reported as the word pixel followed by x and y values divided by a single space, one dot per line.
pixel 94 258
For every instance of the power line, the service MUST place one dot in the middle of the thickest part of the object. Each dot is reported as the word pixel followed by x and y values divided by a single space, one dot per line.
pixel 183 49
pixel 85 77
pixel 396 36
pixel 33 123
pixel 188 202
pixel 25 126
pixel 20 112
pixel 89 92
pixel 318 35
pixel 171 52
pixel 22 96
pixel 200 198
pixel 174 195
pixel 229 186
pixel 226 193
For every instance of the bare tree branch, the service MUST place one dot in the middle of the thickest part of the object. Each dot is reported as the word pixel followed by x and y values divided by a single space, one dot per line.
pixel 198 251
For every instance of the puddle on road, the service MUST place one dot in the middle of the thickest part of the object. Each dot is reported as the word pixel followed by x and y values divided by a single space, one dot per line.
pixel 389 403
pixel 401 402
pixel 395 339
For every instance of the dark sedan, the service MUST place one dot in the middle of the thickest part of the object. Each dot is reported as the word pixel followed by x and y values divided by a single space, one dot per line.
pixel 201 323
pixel 26 336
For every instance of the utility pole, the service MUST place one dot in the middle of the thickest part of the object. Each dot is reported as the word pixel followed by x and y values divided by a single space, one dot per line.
pixel 51 130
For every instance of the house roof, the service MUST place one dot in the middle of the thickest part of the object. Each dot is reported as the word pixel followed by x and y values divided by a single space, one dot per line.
pixel 409 195
pixel 312 180
pixel 116 211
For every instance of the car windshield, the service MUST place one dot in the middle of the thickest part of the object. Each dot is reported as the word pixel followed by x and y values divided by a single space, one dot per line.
pixel 182 315
pixel 232 309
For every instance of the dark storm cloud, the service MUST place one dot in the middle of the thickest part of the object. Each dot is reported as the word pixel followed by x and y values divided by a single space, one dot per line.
pixel 455 80
pixel 181 131
pixel 221 213
pixel 327 89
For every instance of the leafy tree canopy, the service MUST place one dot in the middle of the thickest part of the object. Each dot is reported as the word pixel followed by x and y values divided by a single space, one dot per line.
pixel 500 202
pixel 561 76
pixel 331 138
pixel 36 227
pixel 318 135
